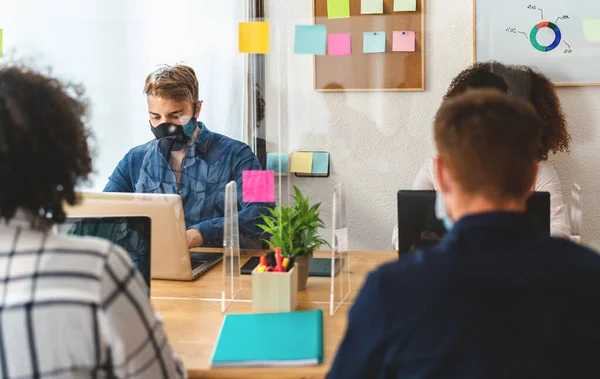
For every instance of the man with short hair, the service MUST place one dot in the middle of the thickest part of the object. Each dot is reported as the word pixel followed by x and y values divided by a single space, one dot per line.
pixel 496 298
pixel 186 158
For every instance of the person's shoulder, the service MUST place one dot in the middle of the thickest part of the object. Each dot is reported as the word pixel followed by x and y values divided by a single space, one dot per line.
pixel 573 250
pixel 230 142
pixel 142 149
pixel 412 265
pixel 546 171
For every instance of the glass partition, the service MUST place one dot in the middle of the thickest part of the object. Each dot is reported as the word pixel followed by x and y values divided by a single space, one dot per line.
pixel 288 127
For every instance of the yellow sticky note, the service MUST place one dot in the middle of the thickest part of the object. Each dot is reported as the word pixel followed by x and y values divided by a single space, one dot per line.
pixel 0 43
pixel 338 8
pixel 301 162
pixel 254 37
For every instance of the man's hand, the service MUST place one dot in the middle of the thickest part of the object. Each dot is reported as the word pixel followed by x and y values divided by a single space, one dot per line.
pixel 194 238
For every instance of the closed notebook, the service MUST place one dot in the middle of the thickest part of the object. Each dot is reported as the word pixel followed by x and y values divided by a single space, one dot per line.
pixel 270 339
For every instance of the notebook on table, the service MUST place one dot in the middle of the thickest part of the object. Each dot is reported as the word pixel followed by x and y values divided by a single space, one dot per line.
pixel 270 339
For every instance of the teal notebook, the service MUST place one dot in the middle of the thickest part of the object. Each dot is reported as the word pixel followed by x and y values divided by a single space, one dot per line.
pixel 270 339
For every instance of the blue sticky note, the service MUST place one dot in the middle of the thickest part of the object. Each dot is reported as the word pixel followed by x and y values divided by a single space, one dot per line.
pixel 310 39
pixel 320 163
pixel 273 162
pixel 373 42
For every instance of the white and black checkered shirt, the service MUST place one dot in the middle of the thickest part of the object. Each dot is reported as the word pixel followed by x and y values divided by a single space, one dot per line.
pixel 75 308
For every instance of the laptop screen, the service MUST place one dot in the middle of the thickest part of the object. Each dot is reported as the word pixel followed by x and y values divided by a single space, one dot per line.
pixel 130 233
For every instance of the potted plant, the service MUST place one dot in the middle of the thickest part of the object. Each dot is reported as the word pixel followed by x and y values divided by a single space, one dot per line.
pixel 295 229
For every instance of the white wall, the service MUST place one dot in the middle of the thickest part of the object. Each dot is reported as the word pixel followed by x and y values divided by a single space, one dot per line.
pixel 378 141
pixel 110 46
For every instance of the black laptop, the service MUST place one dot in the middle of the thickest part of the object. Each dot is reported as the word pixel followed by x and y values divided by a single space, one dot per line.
pixel 418 226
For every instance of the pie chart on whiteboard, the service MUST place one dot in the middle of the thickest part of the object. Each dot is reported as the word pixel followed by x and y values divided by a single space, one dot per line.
pixel 545 36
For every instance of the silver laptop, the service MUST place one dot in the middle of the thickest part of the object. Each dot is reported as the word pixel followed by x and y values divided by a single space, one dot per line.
pixel 170 256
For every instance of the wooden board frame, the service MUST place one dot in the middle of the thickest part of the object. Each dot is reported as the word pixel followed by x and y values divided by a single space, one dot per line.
pixel 388 4
pixel 592 84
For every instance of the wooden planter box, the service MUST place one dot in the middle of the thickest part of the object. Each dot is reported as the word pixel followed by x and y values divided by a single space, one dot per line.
pixel 275 291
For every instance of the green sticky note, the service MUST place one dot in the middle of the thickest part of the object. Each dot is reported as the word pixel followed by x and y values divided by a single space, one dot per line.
pixel 371 6
pixel 591 29
pixel 373 42
pixel 310 39
pixel 338 8
pixel 320 163
pixel 405 5
pixel 0 43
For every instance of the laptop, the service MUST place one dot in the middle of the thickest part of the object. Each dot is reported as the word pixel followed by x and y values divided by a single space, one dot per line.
pixel 170 257
pixel 418 226
pixel 130 233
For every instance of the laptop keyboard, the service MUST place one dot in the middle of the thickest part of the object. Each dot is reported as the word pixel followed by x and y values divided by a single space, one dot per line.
pixel 199 258
pixel 197 261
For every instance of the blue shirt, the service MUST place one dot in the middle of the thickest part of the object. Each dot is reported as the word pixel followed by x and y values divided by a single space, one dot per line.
pixel 494 299
pixel 206 169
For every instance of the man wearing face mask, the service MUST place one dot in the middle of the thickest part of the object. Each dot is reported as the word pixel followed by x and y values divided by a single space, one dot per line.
pixel 496 297
pixel 186 158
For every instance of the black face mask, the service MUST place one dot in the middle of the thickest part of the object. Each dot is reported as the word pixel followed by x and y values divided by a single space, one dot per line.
pixel 171 131
pixel 178 133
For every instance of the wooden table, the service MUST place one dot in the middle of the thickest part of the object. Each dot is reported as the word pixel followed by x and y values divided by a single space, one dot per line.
pixel 193 317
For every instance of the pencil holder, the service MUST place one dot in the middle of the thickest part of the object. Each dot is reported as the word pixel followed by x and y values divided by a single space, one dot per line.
pixel 275 291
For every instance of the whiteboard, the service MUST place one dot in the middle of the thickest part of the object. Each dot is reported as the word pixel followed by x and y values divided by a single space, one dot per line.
pixel 560 38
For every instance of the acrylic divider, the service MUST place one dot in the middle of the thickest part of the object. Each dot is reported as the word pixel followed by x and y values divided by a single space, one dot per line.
pixel 232 284
pixel 576 214
pixel 341 285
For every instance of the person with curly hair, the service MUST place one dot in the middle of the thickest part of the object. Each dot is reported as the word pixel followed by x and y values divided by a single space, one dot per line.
pixel 533 87
pixel 69 306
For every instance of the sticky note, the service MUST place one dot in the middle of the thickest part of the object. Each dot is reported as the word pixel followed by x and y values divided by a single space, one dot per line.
pixel 403 41
pixel 374 42
pixel 273 162
pixel 371 6
pixel 258 186
pixel 254 37
pixel 339 44
pixel 0 43
pixel 310 39
pixel 338 8
pixel 301 162
pixel 405 5
pixel 320 163
pixel 591 29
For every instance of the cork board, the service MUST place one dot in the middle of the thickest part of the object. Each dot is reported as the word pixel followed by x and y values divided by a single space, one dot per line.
pixel 389 71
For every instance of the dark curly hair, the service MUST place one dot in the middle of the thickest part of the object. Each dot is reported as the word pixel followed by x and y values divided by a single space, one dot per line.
pixel 43 144
pixel 527 84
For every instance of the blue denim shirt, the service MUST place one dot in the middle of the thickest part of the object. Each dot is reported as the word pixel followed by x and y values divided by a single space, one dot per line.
pixel 205 171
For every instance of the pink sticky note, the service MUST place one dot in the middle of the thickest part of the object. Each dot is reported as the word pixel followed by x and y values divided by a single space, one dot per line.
pixel 339 44
pixel 258 186
pixel 403 41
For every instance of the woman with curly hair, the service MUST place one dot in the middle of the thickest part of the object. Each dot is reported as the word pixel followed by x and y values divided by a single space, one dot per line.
pixel 535 88
pixel 69 307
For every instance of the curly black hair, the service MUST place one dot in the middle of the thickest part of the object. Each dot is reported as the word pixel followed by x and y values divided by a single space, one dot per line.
pixel 527 84
pixel 43 144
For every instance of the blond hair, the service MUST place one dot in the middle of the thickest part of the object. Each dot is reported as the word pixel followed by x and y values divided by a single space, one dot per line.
pixel 177 83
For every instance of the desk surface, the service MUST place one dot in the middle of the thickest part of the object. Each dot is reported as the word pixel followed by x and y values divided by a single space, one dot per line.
pixel 192 317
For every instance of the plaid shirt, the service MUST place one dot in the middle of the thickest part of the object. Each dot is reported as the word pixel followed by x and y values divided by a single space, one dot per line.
pixel 75 308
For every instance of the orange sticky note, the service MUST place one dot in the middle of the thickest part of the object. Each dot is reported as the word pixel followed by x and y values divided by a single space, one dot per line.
pixel 301 162
pixel 254 37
